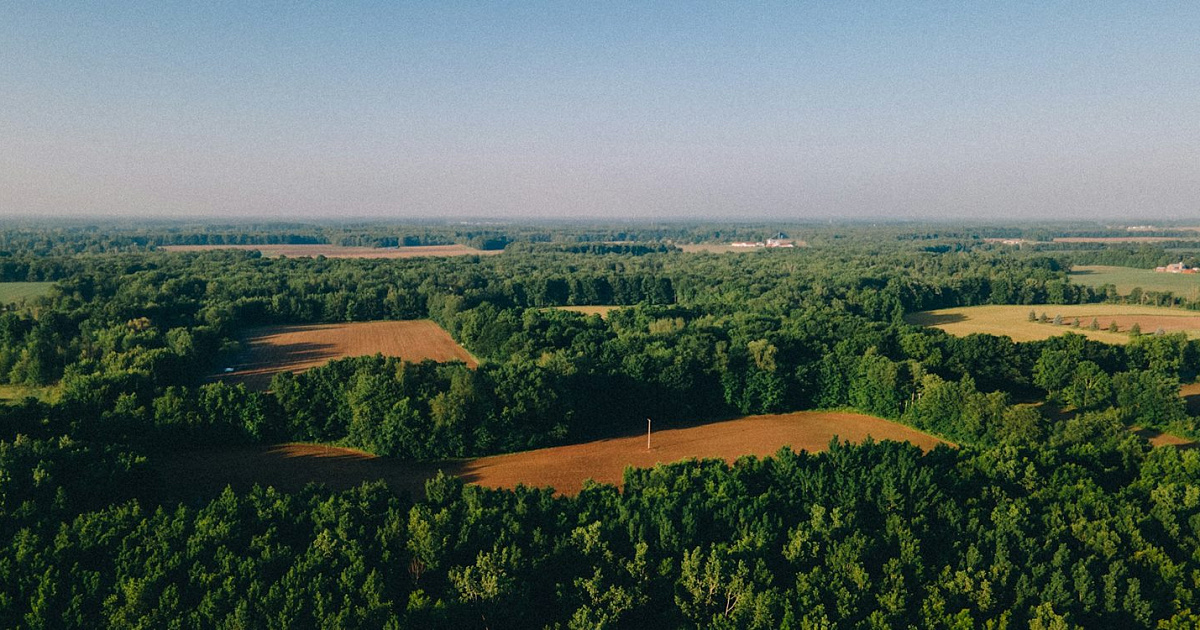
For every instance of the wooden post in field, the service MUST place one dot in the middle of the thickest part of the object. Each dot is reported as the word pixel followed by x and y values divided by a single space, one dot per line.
pixel 647 434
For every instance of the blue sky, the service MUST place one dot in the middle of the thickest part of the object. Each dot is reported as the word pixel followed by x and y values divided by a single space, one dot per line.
pixel 601 110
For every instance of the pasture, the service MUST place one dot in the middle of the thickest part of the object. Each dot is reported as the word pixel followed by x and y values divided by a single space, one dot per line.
pixel 277 349
pixel 1127 278
pixel 1013 320
pixel 13 292
pixel 565 468
pixel 338 251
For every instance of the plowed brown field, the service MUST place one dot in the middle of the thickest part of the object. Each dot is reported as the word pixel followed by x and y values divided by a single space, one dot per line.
pixel 338 251
pixel 564 468
pixel 296 348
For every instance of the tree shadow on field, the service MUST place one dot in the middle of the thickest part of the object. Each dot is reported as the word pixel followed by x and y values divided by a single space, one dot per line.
pixel 288 355
pixel 1192 401
pixel 202 474
pixel 258 364
pixel 1151 435
pixel 936 319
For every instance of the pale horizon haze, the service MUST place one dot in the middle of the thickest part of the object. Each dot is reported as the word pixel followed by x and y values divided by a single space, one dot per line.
pixel 612 110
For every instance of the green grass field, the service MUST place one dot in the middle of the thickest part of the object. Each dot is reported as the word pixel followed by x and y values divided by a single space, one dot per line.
pixel 20 392
pixel 1127 278
pixel 11 292
pixel 1013 320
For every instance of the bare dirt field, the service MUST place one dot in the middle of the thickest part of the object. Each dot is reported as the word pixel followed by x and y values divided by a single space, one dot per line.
pixel 338 251
pixel 291 466
pixel 566 467
pixel 296 348
pixel 1013 320
pixel 1158 438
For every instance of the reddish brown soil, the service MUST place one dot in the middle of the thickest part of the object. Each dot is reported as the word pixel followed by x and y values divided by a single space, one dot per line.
pixel 1158 438
pixel 338 251
pixel 565 468
pixel 296 348
pixel 1151 323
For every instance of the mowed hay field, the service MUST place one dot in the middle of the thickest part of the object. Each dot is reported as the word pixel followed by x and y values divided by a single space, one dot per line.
pixel 338 251
pixel 1127 278
pixel 12 292
pixel 1013 320
pixel 296 348
pixel 291 466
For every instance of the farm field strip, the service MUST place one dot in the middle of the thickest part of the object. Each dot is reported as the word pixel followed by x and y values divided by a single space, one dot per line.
pixel 339 251
pixel 1013 320
pixel 296 348
pixel 291 466
pixel 1123 239
pixel 1127 278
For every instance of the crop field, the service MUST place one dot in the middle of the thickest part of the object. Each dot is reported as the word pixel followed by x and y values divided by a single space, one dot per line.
pixel 1127 278
pixel 296 348
pixel 291 466
pixel 338 251
pixel 1013 320
pixel 11 292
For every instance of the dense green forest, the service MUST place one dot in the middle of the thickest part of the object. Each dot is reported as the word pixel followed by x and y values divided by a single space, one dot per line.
pixel 1049 512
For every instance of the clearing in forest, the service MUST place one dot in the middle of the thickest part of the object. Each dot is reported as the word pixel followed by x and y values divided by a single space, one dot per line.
pixel 339 251
pixel 602 311
pixel 13 292
pixel 277 349
pixel 1127 278
pixel 726 248
pixel 1013 320
pixel 291 466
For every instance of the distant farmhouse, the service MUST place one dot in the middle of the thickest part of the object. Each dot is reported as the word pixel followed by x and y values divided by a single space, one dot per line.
pixel 780 240
pixel 1178 267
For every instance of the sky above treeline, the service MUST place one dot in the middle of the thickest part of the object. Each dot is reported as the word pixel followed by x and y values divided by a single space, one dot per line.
pixel 986 110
